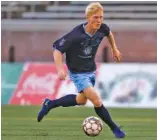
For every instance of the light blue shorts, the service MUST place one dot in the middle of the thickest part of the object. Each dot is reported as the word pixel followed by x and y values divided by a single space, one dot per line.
pixel 82 80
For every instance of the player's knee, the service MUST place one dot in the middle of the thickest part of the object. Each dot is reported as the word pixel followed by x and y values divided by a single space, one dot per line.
pixel 81 99
pixel 82 102
pixel 97 102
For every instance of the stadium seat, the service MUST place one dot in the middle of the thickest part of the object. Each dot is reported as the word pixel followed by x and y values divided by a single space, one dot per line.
pixel 119 10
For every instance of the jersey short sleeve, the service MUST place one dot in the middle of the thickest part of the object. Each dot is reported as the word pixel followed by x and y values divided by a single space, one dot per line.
pixel 63 43
pixel 105 29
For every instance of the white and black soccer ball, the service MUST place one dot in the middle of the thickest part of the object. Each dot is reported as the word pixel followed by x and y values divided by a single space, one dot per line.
pixel 92 126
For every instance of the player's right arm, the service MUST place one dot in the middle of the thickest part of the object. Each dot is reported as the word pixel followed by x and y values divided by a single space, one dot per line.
pixel 58 60
pixel 60 47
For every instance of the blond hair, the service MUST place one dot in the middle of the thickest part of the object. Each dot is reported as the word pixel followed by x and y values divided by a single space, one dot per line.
pixel 92 8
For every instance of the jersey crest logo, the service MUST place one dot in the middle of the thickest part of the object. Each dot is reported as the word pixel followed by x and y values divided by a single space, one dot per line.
pixel 87 51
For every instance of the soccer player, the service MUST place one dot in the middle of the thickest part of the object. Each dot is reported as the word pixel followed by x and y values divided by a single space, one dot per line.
pixel 80 46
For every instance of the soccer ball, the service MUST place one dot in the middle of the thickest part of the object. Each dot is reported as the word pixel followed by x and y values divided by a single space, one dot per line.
pixel 92 126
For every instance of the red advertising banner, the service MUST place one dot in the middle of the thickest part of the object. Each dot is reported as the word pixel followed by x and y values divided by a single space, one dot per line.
pixel 37 82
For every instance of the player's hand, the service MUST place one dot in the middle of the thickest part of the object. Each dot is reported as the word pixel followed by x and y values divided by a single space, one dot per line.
pixel 117 56
pixel 62 74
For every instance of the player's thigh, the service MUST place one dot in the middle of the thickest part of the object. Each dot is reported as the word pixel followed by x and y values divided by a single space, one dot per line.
pixel 93 96
pixel 81 99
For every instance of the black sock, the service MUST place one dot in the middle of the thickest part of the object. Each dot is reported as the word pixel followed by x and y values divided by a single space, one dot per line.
pixel 103 113
pixel 65 101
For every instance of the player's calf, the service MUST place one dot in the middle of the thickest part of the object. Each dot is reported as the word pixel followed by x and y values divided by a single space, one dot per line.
pixel 103 113
pixel 66 101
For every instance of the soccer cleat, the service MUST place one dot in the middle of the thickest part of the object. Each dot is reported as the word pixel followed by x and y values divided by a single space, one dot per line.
pixel 118 132
pixel 44 110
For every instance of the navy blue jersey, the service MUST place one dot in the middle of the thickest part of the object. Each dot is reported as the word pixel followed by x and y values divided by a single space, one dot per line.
pixel 80 48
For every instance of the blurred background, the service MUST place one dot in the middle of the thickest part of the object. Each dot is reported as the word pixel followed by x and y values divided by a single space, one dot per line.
pixel 29 29
pixel 28 74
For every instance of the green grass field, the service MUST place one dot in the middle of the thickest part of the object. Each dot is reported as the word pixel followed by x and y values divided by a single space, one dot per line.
pixel 19 123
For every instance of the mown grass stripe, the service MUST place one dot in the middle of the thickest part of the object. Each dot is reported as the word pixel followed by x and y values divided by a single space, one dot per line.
pixel 60 119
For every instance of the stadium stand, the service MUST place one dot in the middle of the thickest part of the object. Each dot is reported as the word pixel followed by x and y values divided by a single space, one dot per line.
pixel 39 23
pixel 62 10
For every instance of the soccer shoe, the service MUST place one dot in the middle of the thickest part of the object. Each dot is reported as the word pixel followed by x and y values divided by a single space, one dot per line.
pixel 44 110
pixel 118 132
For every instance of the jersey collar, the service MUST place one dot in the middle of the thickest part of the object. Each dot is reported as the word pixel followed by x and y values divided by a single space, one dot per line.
pixel 87 32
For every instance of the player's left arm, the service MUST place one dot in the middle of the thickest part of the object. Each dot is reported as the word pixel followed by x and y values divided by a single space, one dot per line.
pixel 117 56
